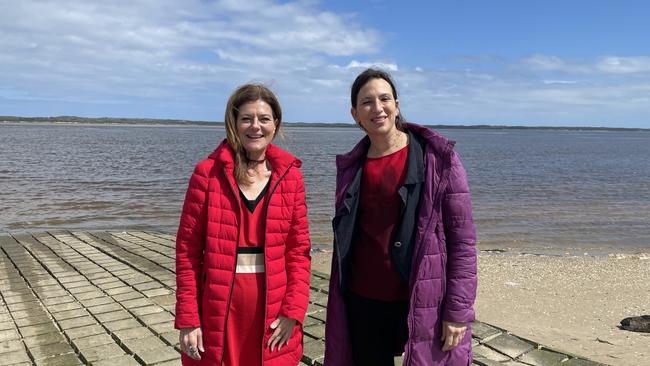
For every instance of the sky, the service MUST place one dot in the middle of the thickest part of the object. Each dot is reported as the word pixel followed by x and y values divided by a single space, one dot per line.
pixel 460 62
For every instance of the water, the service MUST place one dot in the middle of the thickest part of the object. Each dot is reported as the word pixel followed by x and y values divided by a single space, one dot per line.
pixel 533 190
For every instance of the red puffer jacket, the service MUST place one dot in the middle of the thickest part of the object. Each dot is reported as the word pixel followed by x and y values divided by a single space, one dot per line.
pixel 206 247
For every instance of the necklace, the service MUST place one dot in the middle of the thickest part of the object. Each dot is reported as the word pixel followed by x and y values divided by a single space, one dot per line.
pixel 256 161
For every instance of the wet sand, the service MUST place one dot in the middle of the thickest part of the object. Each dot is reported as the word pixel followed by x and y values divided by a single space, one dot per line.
pixel 572 303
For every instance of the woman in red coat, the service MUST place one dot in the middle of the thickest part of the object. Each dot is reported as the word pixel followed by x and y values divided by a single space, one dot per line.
pixel 242 248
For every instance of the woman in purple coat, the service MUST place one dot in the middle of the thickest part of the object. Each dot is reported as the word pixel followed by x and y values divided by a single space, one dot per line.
pixel 404 265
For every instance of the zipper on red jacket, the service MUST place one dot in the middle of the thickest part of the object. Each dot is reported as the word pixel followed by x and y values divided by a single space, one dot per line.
pixel 232 284
pixel 266 211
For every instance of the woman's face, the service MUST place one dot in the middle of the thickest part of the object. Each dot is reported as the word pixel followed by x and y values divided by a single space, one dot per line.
pixel 376 108
pixel 255 127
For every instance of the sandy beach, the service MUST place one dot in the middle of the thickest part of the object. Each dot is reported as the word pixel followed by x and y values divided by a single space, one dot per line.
pixel 571 303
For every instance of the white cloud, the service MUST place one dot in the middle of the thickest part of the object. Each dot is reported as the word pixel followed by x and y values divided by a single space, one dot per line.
pixel 364 65
pixel 603 65
pixel 545 62
pixel 583 96
pixel 166 48
pixel 624 65
pixel 550 82
pixel 329 83
pixel 552 63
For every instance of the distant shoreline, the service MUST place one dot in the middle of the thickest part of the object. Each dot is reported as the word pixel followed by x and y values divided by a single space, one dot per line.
pixel 73 120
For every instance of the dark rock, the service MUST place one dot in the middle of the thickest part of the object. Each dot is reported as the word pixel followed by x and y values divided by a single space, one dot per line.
pixel 637 323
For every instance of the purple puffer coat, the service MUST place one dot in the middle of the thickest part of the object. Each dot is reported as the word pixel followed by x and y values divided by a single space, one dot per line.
pixel 443 274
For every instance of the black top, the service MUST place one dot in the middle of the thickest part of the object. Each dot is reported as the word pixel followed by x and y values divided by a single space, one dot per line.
pixel 251 204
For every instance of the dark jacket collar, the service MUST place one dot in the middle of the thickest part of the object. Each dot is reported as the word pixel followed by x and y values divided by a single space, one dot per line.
pixel 415 168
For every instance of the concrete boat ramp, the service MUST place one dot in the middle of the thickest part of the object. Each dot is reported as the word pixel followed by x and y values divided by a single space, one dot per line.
pixel 107 298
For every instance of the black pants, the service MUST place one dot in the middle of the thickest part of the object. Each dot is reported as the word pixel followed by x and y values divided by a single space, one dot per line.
pixel 378 329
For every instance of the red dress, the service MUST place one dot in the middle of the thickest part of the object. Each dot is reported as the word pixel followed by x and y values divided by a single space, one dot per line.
pixel 245 325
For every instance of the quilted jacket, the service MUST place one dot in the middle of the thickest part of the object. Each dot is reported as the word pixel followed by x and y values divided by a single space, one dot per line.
pixel 442 281
pixel 206 247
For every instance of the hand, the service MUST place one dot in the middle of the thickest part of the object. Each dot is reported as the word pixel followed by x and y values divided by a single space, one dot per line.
pixel 191 341
pixel 283 328
pixel 452 334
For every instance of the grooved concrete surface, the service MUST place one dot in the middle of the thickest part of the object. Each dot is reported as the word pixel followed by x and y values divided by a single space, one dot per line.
pixel 107 298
